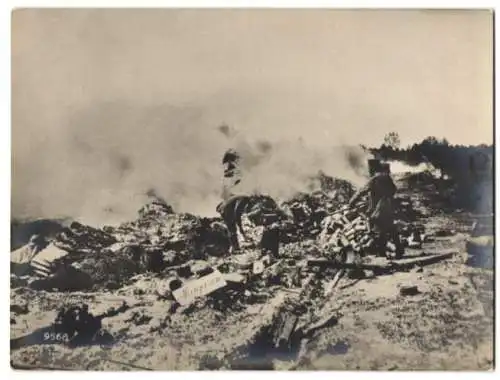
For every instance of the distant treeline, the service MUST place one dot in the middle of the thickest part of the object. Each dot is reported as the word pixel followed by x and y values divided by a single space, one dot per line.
pixel 470 167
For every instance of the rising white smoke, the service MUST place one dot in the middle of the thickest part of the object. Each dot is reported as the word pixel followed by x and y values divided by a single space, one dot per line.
pixel 282 169
pixel 102 166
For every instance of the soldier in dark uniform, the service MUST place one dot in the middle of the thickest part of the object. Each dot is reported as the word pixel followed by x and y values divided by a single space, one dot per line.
pixel 381 190
pixel 260 210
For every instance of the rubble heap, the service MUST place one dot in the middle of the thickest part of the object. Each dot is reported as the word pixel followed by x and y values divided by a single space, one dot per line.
pixel 186 234
pixel 345 228
pixel 156 240
pixel 343 190
pixel 154 209
pixel 159 240
pixel 79 238
pixel 308 210
pixel 109 271
pixel 286 275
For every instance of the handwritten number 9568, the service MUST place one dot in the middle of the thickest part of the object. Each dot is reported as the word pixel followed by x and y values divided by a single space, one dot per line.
pixel 55 337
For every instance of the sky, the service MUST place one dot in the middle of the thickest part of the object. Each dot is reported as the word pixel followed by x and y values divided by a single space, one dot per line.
pixel 104 101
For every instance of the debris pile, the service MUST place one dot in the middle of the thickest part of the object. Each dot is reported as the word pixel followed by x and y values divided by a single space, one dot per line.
pixel 308 210
pixel 187 251
pixel 160 240
pixel 340 189
pixel 73 326
pixel 154 209
pixel 287 270
pixel 79 238
pixel 20 258
pixel 186 234
pixel 346 229
pixel 22 231
pixel 110 271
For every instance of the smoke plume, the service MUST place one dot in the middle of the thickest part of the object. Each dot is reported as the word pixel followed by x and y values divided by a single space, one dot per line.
pixel 285 168
pixel 109 159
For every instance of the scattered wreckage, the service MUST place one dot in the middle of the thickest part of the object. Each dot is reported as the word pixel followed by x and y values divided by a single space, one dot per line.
pixel 294 265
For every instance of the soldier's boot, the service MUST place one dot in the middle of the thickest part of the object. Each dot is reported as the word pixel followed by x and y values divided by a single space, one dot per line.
pixel 400 249
pixel 380 246
pixel 235 246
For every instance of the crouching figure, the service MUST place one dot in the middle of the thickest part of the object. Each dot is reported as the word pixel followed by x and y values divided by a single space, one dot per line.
pixel 258 209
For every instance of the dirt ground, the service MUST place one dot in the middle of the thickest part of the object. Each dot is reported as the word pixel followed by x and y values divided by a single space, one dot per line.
pixel 447 326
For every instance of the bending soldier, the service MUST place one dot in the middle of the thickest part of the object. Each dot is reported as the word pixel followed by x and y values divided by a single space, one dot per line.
pixel 260 210
pixel 231 211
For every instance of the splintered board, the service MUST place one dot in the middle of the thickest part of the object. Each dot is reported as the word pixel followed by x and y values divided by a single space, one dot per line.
pixel 388 266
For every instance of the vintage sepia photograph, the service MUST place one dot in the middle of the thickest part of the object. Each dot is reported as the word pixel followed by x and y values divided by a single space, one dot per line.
pixel 252 189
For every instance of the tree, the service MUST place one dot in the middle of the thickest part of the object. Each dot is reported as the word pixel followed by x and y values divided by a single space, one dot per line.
pixel 392 140
pixel 431 140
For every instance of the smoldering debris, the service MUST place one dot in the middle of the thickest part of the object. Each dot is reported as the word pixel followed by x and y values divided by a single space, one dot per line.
pixel 163 237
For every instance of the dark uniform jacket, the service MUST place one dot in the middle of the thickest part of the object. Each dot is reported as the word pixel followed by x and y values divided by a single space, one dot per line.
pixel 380 189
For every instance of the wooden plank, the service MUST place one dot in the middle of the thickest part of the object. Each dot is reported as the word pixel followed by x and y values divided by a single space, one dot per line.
pixel 27 367
pixel 234 277
pixel 324 263
pixel 336 278
pixel 199 287
pixel 423 260
pixel 286 325
pixel 377 269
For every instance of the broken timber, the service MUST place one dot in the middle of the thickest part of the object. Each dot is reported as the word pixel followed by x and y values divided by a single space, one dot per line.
pixel 403 264
pixel 284 328
pixel 350 259
pixel 27 367
pixel 286 320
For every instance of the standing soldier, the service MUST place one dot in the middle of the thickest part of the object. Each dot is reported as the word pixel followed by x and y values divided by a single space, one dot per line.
pixel 232 173
pixel 381 189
